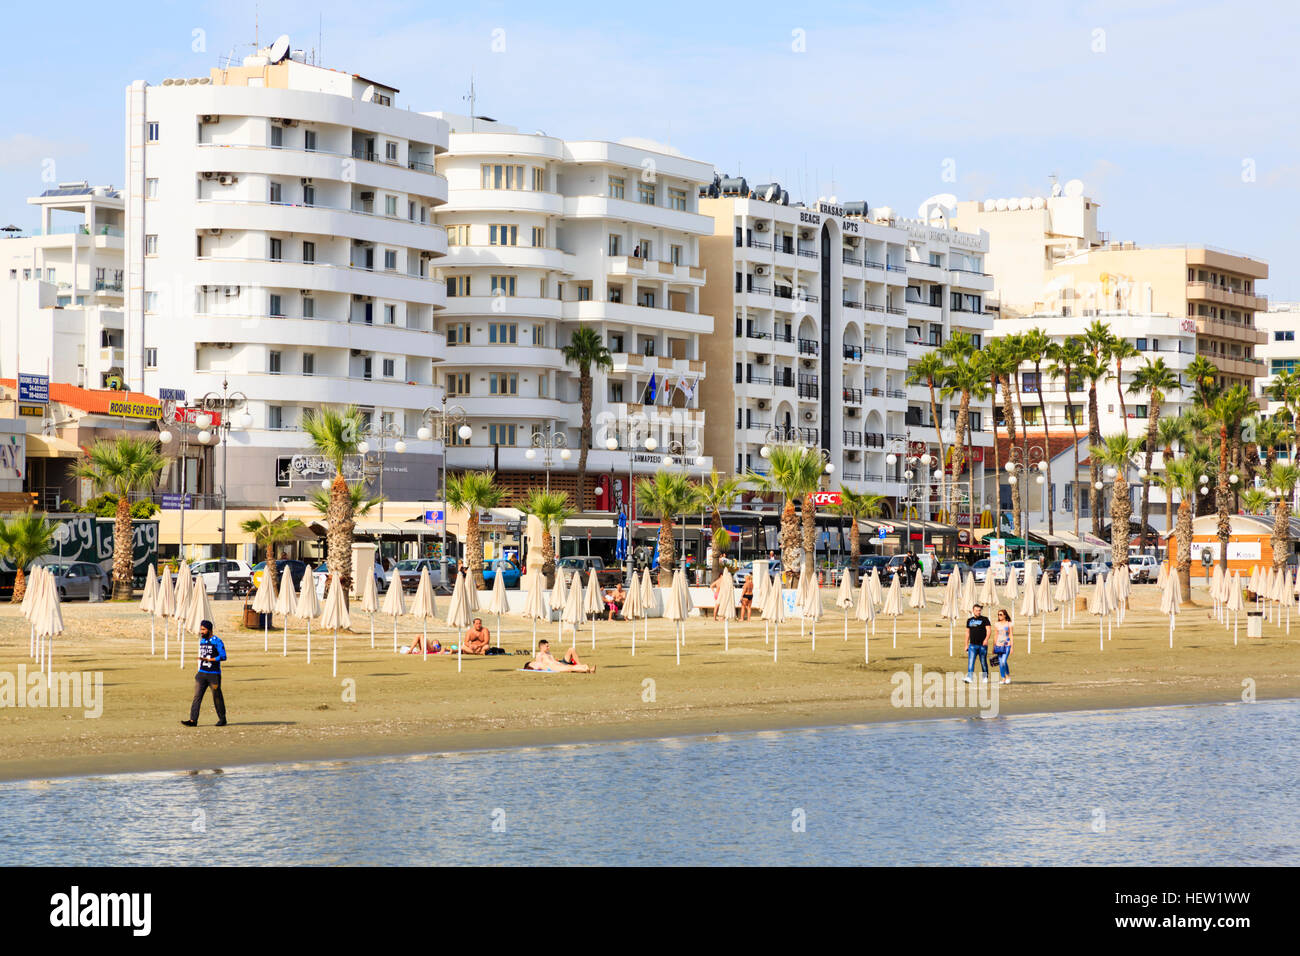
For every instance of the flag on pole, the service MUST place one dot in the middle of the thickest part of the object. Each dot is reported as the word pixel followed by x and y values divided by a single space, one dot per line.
pixel 620 545
pixel 651 387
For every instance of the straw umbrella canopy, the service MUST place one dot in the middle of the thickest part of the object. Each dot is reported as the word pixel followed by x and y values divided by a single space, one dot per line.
pixel 967 599
pixel 1234 603
pixel 1163 575
pixel 774 613
pixel 866 612
pixel 198 611
pixel 147 600
pixel 535 608
pixel 844 598
pixel 951 607
pixel 1099 604
pixel 424 607
pixel 633 607
pixel 1012 590
pixel 877 592
pixel 649 600
pixel 677 606
pixel 395 604
pixel 1170 603
pixel 1029 605
pixel 370 603
pixel 308 606
pixel 48 616
pixel 573 613
pixel 682 593
pixel 264 604
pixel 727 605
pixel 894 603
pixel 499 601
pixel 184 589
pixel 988 598
pixel 164 605
pixel 559 597
pixel 917 600
pixel 593 602
pixel 810 605
pixel 460 613
pixel 335 613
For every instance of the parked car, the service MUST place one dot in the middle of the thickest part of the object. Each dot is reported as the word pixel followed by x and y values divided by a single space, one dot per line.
pixel 983 567
pixel 743 572
pixel 1144 567
pixel 1090 571
pixel 320 574
pixel 946 568
pixel 510 572
pixel 605 577
pixel 1053 571
pixel 238 574
pixel 81 579
pixel 1018 569
pixel 877 562
pixel 410 569
pixel 295 569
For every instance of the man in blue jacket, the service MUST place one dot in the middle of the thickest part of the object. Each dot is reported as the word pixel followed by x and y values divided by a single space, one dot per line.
pixel 211 653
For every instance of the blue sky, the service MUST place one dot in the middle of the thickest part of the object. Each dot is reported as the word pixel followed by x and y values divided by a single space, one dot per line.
pixel 1180 117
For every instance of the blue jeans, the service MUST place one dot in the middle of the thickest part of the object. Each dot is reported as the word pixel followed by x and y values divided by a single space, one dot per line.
pixel 974 651
pixel 1004 661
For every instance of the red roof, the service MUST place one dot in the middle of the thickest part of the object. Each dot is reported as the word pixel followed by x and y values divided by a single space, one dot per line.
pixel 94 400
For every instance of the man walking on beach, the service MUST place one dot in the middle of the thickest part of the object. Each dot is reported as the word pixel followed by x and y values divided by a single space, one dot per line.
pixel 211 653
pixel 977 632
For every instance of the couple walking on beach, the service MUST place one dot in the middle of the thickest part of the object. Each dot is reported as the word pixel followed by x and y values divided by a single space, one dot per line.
pixel 977 631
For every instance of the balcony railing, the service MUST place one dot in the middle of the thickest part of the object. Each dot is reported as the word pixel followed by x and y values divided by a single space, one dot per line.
pixel 853 395
pixel 851 260
pixel 850 304
pixel 759 380
pixel 853 439
pixel 873 264
pixel 757 289
pixel 895 310
pixel 873 440
pixel 890 350
pixel 895 267
pixel 809 347
pixel 853 352
pixel 758 244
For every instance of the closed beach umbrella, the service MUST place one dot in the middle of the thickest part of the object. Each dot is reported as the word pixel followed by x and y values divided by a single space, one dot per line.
pixel 34 584
pixel 535 608
pixel 967 599
pixel 459 613
pixel 844 598
pixel 774 612
pixel 727 606
pixel 894 603
pixel 761 583
pixel 988 598
pixel 1287 595
pixel 649 600
pixel 164 605
pixel 1216 591
pixel 1163 575
pixel 370 603
pixel 593 603
pixel 1125 576
pixel 471 593
pixel 184 589
pixel 286 602
pixel 1235 604
pixel 1099 604
pixel 1046 604
pixel 866 612
pixel 395 604
pixel 49 622
pixel 1061 593
pixel 810 608
pixel 264 603
pixel 677 606
pixel 199 610
pixel 308 606
pixel 633 607
pixel 683 596
pixel 951 607
pixel 1115 582
pixel 1031 573
pixel 917 600
pixel 335 614
pixel 1012 590
pixel 1029 606
pixel 559 596
pixel 147 600
pixel 424 607
pixel 877 591
pixel 1253 586
pixel 499 602
pixel 1277 591
pixel 1170 601
pixel 573 612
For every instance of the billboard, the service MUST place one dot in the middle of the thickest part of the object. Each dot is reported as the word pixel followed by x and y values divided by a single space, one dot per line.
pixel 90 538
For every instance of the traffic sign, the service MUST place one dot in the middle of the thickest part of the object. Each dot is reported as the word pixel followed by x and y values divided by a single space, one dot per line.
pixel 880 533
pixel 34 388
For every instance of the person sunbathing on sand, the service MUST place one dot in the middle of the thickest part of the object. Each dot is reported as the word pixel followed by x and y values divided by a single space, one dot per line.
pixel 545 662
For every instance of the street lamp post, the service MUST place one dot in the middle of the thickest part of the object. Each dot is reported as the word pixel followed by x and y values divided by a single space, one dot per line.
pixel 901 450
pixel 548 442
pixel 1025 459
pixel 227 403
pixel 637 427
pixel 442 420
pixel 779 434
pixel 380 432
pixel 185 425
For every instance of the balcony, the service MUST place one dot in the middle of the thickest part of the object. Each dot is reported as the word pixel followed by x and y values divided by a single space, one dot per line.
pixel 853 352
pixel 809 390
pixel 850 260
pixel 809 347
pixel 757 244
pixel 852 439
pixel 808 252
pixel 655 269
pixel 1230 330
pixel 850 304
pixel 1225 295
pixel 872 264
pixel 757 334
pixel 873 440
pixel 853 396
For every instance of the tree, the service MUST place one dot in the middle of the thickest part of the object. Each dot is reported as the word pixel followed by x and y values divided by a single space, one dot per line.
pixel 796 472
pixel 715 494
pixel 1066 357
pixel 931 370
pixel 665 495
pixel 552 510
pixel 122 466
pixel 1004 356
pixel 1037 347
pixel 1255 501
pixel 473 492
pixel 995 355
pixel 586 351
pixel 24 539
pixel 1229 410
pixel 856 505
pixel 1282 479
pixel 1093 370
pixel 1170 432
pixel 1120 349
pixel 1118 452
pixel 335 433
pixel 1285 388
pixel 362 504
pixel 1203 374
pixel 1183 476
pixel 270 533
pixel 1271 433
pixel 968 377
pixel 1156 379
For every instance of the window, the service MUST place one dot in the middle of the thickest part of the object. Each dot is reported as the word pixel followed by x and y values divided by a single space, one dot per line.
pixel 151 189
pixel 1140 344
pixel 458 285
pixel 458 333
pixel 367 367
pixel 503 285
pixel 675 255
pixel 1139 411
pixel 151 301
pixel 309 252
pixel 616 391
pixel 390 259
pixel 273 363
pixel 501 434
pixel 1279 335
pixel 1030 381
pixel 616 186
pixel 274 417
pixel 615 244
pixel 390 206
pixel 539 179
pixel 150 358
pixel 151 245
pixel 151 132
pixel 677 199
pixel 645 193
pixel 309 139
pixel 543 385
pixel 309 195
pixel 539 237
pixel 389 367
pixel 616 342
pixel 458 235
pixel 390 314
pixel 503 383
pixel 390 151
pixel 457 440
pixel 410 210
pixel 502 333
pixel 277 193
pixel 277 250
pixel 646 299
pixel 976 421
pixel 308 307
pixel 308 363
pixel 1279 366
pixel 499 176
pixel 584 293
pixel 277 135
pixel 539 336
pixel 503 235
pixel 276 308
pixel 457 383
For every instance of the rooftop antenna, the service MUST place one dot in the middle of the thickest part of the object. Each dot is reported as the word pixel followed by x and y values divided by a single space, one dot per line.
pixel 320 36
pixel 257 45
pixel 472 98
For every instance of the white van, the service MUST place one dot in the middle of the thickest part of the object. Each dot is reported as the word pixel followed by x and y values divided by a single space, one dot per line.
pixel 1143 567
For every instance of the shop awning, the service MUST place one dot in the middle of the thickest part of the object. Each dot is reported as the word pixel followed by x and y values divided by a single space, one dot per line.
pixel 48 446
pixel 1020 543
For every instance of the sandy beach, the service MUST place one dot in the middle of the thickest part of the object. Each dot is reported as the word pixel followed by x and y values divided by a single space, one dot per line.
pixel 285 710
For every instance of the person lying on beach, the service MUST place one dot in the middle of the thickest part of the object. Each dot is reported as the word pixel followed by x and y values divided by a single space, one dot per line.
pixel 477 638
pixel 545 662
pixel 416 648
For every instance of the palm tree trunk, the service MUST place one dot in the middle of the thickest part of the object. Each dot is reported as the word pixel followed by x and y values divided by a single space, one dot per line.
pixel 20 585
pixel 474 549
pixel 1047 451
pixel 1119 387
pixel 1120 512
pixel 1094 465
pixel 1152 422
pixel 339 553
pixel 1281 528
pixel 944 497
pixel 1224 528
pixel 961 455
pixel 1009 413
pixel 855 549
pixel 1074 430
pixel 584 436
pixel 997 463
pixel 271 569
pixel 548 558
pixel 789 536
pixel 1184 558
pixel 715 523
pixel 666 554
pixel 809 517
pixel 122 586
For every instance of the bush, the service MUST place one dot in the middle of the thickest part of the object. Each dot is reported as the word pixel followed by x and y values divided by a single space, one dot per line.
pixel 105 506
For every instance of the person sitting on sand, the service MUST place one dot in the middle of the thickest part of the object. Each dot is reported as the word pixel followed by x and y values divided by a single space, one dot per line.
pixel 477 638
pixel 544 661
pixel 614 600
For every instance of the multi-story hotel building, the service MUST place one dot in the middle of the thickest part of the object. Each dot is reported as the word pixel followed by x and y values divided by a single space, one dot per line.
pixel 280 237
pixel 61 291
pixel 820 310
pixel 546 236
pixel 1280 353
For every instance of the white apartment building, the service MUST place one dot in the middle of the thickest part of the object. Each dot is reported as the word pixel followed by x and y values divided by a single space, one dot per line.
pixel 1280 353
pixel 280 237
pixel 546 236
pixel 829 306
pixel 61 297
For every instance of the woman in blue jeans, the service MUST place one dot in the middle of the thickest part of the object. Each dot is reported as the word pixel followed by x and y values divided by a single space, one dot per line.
pixel 977 631
pixel 1002 644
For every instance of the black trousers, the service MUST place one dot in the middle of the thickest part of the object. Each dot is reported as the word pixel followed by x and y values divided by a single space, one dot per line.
pixel 201 684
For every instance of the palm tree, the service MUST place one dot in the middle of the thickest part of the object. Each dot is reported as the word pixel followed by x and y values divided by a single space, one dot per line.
pixel 1038 347
pixel 1065 357
pixel 1255 501
pixel 995 354
pixel 1282 479
pixel 362 504
pixel 1093 369
pixel 1203 373
pixel 1156 379
pixel 856 505
pixel 585 350
pixel 1285 388
pixel 551 509
pixel 796 472
pixel 666 495
pixel 1270 433
pixel 23 540
pixel 717 493
pixel 1120 349
pixel 474 492
pixel 1118 452
pixel 335 433
pixel 1170 432
pixel 967 376
pixel 122 466
pixel 1004 355
pixel 270 533
pixel 1229 410
pixel 1182 474
pixel 931 370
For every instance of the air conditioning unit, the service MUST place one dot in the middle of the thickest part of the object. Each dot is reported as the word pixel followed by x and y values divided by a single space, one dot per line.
pixel 306 181
pixel 762 404
pixel 208 174
pixel 853 456
pixel 761 360
pixel 287 122
pixel 760 270
pixel 227 179
pixel 214 231
pixel 209 118
pixel 368 197
pixel 808 363
pixel 357 352
pixel 805 234
pixel 760 227
pixel 231 291
pixel 809 416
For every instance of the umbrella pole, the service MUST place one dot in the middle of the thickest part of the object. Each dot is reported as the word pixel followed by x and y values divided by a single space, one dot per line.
pixel 424 639
pixel 153 643
pixel 284 651
pixel 394 633
pixel 895 632
pixel 1029 644
pixel 866 645
pixel 535 637
pixel 677 632
pixel 458 659
pixel 776 639
pixel 634 638
pixel 498 630
pixel 31 641
pixel 846 625
pixel 372 631
pixel 593 635
pixel 336 653
pixel 1171 632
pixel 309 640
pixel 166 643
pixel 1234 628
pixel 767 634
pixel 814 637
pixel 182 636
pixel 726 633
pixel 266 637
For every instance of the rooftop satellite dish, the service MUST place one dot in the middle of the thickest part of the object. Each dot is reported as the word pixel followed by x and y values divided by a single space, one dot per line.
pixel 280 48
pixel 1039 202
pixel 368 94
pixel 1000 205
pixel 1074 188
pixel 940 206
pixel 1026 202
pixel 1056 189
pixel 771 191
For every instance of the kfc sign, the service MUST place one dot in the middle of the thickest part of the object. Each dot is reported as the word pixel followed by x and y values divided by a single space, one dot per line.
pixel 825 498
